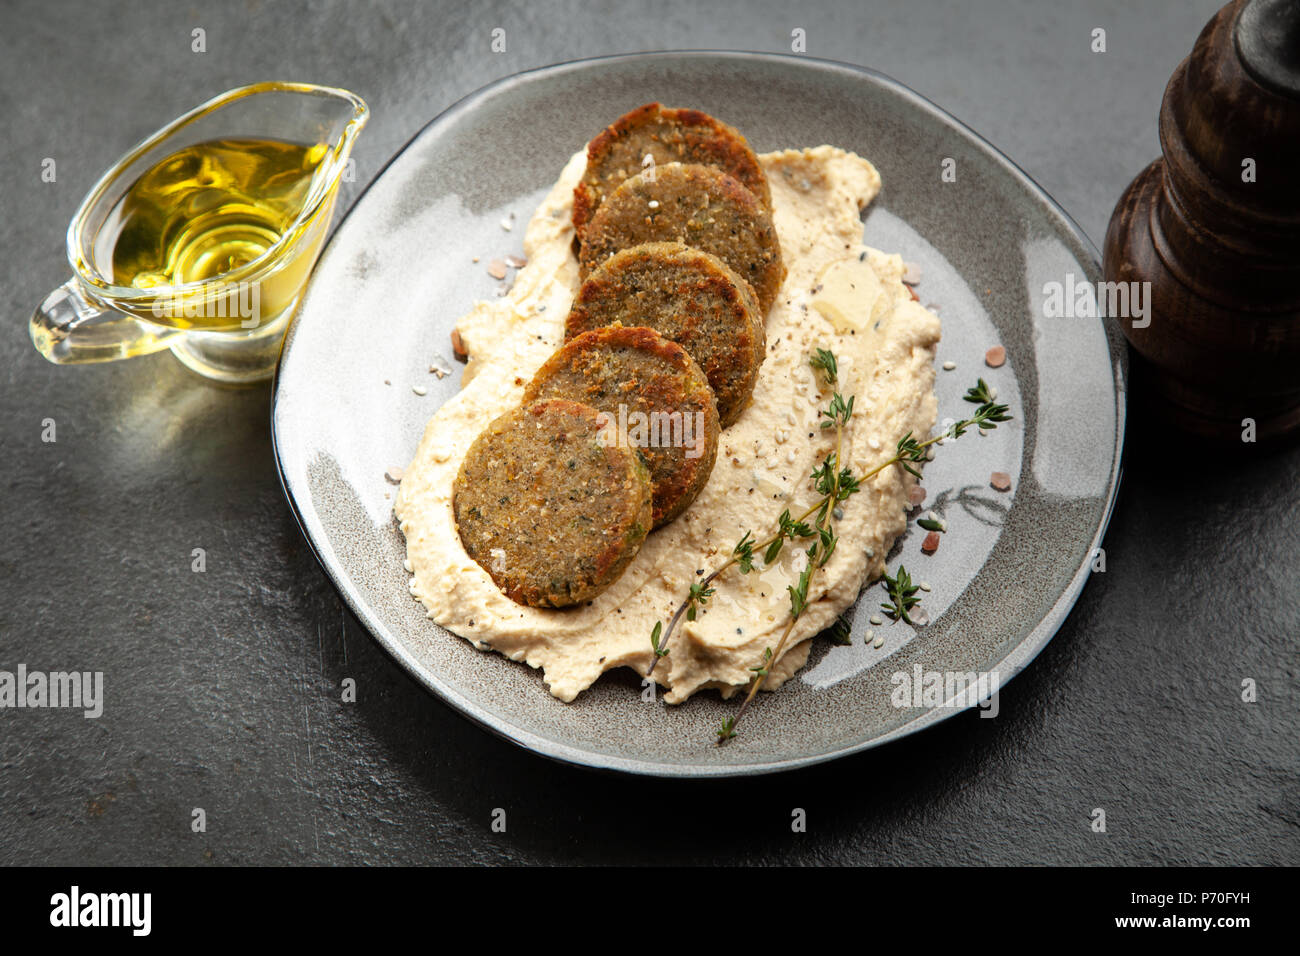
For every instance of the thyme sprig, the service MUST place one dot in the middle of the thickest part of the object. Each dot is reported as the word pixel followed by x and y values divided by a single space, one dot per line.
pixel 835 484
pixel 902 595
pixel 840 632
pixel 823 360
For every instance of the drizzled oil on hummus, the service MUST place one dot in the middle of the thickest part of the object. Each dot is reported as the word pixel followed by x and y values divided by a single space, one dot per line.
pixel 838 295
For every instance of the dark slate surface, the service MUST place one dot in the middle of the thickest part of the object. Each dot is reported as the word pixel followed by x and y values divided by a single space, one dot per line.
pixel 222 687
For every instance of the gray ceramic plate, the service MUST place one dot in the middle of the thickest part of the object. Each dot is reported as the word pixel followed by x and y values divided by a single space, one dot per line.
pixel 398 273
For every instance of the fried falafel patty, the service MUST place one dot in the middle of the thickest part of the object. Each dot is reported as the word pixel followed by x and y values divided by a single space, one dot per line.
pixel 655 396
pixel 700 206
pixel 549 506
pixel 689 296
pixel 669 136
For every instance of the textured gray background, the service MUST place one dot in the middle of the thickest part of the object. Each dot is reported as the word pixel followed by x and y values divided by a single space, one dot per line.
pixel 222 687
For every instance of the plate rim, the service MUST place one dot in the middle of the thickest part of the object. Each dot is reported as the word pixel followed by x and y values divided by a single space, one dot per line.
pixel 1015 662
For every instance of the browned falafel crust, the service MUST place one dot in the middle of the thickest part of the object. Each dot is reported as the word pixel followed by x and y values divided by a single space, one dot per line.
pixel 700 206
pixel 550 508
pixel 670 136
pixel 635 374
pixel 689 296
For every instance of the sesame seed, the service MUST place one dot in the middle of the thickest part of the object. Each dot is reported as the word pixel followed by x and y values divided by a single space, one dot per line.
pixel 419 390
pixel 949 366
pixel 877 620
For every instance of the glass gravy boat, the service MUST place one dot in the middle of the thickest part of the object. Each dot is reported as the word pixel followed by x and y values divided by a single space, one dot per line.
pixel 222 314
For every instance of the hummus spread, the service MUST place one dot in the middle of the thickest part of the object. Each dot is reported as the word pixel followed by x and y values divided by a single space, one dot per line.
pixel 838 295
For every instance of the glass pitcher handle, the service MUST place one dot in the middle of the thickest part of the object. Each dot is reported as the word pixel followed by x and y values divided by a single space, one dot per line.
pixel 69 329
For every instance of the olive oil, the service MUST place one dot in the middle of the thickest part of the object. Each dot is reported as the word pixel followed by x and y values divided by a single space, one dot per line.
pixel 206 211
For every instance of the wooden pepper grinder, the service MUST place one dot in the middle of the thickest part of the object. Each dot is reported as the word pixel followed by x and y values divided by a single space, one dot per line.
pixel 1214 226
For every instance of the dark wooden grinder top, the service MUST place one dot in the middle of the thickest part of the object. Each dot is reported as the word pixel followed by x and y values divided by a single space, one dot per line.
pixel 1214 226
